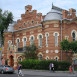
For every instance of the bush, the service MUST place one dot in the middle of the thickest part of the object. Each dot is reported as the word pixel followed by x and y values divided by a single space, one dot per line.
pixel 44 64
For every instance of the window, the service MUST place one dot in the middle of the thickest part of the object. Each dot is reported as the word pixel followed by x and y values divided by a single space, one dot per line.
pixel 56 58
pixel 9 44
pixel 56 39
pixel 73 36
pixel 47 58
pixel 40 40
pixel 32 22
pixel 24 24
pixel 31 40
pixel 40 57
pixel 28 22
pixel 20 59
pixel 24 42
pixel 46 39
pixel 19 27
pixel 17 43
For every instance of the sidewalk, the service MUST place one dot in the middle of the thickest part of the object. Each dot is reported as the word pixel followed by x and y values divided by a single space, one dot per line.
pixel 48 73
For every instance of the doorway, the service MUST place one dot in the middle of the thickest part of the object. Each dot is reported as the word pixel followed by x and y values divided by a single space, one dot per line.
pixel 11 61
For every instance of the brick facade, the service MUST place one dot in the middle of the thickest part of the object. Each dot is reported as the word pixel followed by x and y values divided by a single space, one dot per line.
pixel 33 24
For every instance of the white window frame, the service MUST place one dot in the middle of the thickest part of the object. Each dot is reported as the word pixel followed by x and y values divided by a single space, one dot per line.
pixel 39 40
pixel 31 41
pixel 74 31
pixel 46 35
pixel 56 39
pixel 18 42
pixel 24 42
pixel 9 44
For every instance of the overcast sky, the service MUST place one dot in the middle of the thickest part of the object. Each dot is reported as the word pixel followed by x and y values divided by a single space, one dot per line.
pixel 17 7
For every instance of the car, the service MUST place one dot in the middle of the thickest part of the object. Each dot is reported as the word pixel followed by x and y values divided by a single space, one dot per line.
pixel 6 69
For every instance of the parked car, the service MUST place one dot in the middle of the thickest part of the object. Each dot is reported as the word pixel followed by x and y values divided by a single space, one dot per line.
pixel 6 69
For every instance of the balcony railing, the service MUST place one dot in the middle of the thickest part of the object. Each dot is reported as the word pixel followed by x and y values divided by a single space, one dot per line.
pixel 21 49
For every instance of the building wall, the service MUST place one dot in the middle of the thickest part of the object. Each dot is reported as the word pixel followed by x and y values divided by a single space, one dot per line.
pixel 34 29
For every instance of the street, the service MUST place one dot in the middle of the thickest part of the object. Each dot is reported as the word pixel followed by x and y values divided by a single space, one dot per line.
pixel 25 75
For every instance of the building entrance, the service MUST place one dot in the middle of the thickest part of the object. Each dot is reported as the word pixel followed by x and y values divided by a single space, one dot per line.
pixel 11 61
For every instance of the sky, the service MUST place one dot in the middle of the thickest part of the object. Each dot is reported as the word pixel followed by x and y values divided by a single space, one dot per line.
pixel 17 7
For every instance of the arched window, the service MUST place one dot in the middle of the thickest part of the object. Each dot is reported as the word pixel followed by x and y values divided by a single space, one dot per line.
pixel 56 39
pixel 73 36
pixel 9 42
pixel 46 39
pixel 40 57
pixel 56 58
pixel 31 40
pixel 47 58
pixel 17 43
pixel 24 42
pixel 24 24
pixel 40 40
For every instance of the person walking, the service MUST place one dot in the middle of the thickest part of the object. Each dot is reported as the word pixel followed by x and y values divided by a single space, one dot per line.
pixel 18 68
pixel 20 71
pixel 50 66
pixel 72 68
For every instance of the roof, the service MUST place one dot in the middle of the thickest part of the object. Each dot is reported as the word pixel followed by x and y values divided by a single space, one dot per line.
pixel 54 14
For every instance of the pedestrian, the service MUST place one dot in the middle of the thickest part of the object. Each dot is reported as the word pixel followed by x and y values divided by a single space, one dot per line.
pixel 18 68
pixel 50 66
pixel 70 69
pixel 20 71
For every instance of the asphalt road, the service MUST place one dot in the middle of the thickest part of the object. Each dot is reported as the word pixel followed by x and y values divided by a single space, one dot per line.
pixel 15 75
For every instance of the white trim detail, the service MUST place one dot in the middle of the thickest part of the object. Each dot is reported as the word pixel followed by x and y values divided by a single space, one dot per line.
pixel 56 51
pixel 55 32
pixel 10 41
pixel 47 51
pixel 47 57
pixel 40 53
pixel 73 31
pixel 23 38
pixel 38 35
pixel 16 40
pixel 56 57
pixel 31 36
pixel 19 57
pixel 46 33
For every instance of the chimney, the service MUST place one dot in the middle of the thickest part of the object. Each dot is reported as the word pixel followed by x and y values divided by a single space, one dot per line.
pixel 28 8
pixel 72 12
pixel 65 13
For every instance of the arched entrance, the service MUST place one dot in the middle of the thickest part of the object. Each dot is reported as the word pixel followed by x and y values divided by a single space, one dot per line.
pixel 11 61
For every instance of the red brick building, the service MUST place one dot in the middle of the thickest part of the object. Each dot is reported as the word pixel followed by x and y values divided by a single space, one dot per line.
pixel 45 31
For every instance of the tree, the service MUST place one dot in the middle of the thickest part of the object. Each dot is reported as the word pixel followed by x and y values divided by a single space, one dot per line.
pixel 5 18
pixel 73 46
pixel 30 52
pixel 69 46
pixel 65 46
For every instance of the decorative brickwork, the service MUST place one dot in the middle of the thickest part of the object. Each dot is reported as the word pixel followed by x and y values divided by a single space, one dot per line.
pixel 32 24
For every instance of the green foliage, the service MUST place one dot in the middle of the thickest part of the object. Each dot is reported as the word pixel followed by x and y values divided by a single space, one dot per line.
pixel 44 64
pixel 5 18
pixel 30 52
pixel 73 46
pixel 65 45
pixel 69 46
